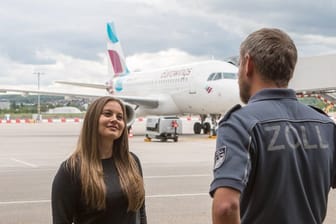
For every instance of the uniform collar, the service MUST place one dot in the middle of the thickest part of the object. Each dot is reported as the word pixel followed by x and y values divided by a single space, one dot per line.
pixel 272 94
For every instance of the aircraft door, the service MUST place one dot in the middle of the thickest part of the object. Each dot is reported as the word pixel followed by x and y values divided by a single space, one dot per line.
pixel 192 82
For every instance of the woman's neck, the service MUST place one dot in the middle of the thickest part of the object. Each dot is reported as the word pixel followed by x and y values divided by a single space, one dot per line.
pixel 105 149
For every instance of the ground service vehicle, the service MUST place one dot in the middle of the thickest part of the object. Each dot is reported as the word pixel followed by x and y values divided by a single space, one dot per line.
pixel 163 128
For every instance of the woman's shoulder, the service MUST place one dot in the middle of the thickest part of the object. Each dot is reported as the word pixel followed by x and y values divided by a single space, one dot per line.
pixel 67 170
pixel 135 157
pixel 64 167
pixel 65 183
pixel 137 160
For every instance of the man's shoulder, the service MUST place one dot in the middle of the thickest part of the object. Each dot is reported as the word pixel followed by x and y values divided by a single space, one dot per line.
pixel 228 114
pixel 318 110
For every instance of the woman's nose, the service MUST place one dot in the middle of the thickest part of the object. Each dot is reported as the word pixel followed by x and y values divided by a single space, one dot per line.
pixel 113 117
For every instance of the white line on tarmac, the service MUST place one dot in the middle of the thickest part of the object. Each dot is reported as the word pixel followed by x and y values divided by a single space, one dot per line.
pixel 23 202
pixel 177 176
pixel 149 196
pixel 176 195
pixel 24 162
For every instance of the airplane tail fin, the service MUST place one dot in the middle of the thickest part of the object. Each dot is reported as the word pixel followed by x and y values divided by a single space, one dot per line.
pixel 117 60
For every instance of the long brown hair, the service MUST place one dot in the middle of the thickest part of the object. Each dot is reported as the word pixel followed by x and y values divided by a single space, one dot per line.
pixel 87 162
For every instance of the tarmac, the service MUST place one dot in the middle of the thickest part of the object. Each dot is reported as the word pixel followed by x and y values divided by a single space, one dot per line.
pixel 177 174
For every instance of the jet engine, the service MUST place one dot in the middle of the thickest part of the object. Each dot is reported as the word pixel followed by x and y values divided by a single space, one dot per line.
pixel 130 113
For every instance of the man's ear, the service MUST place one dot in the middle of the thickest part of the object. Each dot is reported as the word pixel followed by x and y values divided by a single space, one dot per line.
pixel 249 66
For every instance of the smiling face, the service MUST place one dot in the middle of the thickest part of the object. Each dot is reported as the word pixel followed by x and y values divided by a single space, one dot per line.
pixel 111 121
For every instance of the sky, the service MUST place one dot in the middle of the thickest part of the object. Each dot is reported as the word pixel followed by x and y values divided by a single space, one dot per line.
pixel 66 39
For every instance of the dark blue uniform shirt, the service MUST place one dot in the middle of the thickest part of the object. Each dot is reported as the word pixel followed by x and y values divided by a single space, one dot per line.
pixel 280 154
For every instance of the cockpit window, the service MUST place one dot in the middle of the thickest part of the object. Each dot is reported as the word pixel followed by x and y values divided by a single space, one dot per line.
pixel 211 76
pixel 229 75
pixel 218 76
pixel 221 75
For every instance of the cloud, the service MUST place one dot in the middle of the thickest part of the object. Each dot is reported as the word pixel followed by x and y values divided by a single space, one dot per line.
pixel 67 39
pixel 170 57
pixel 65 66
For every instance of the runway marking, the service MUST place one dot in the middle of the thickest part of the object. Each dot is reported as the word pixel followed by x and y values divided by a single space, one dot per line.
pixel 176 195
pixel 24 202
pixel 24 162
pixel 149 196
pixel 177 176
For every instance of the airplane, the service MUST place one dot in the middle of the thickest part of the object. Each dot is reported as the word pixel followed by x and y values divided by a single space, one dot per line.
pixel 207 88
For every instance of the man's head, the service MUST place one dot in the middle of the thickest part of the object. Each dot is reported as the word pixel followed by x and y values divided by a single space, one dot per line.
pixel 271 54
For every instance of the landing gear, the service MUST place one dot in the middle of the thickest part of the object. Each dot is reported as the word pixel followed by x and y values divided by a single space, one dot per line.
pixel 197 128
pixel 214 119
pixel 206 126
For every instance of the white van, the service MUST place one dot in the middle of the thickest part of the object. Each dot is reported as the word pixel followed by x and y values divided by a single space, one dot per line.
pixel 163 128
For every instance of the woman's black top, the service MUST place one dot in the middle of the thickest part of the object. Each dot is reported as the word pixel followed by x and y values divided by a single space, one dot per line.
pixel 68 206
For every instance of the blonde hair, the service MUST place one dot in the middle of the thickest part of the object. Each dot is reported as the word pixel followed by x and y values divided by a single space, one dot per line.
pixel 87 162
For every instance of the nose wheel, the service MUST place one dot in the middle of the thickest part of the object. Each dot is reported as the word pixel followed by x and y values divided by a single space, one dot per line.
pixel 198 127
pixel 207 127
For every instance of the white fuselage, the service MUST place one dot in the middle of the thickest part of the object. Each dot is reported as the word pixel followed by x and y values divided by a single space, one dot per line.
pixel 183 89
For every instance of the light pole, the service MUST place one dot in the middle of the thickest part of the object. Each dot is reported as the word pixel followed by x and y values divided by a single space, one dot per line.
pixel 38 96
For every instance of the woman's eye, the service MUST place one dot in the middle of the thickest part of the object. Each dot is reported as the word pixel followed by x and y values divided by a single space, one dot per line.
pixel 119 117
pixel 107 114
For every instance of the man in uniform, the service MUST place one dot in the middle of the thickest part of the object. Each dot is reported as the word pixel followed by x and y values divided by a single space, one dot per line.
pixel 275 159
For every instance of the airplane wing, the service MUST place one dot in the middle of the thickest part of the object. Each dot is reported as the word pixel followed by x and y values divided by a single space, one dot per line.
pixel 146 102
pixel 50 93
pixel 90 85
pixel 149 103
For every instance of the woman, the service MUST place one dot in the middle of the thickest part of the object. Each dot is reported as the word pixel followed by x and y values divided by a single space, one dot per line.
pixel 101 182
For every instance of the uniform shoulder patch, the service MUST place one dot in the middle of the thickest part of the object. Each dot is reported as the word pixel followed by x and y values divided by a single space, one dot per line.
pixel 220 155
pixel 233 109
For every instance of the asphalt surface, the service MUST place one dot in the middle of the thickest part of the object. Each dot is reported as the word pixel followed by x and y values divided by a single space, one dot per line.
pixel 177 174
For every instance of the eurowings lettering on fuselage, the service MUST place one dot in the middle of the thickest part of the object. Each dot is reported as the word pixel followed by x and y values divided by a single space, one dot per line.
pixel 176 73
